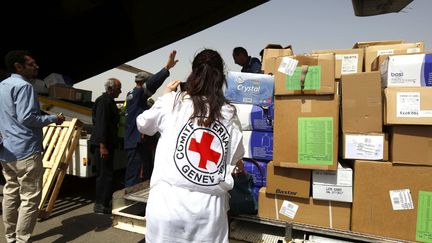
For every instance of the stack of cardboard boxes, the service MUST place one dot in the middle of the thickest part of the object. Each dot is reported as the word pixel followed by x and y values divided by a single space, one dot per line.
pixel 352 147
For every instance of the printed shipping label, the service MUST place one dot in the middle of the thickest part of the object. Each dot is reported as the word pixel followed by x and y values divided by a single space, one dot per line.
pixel 315 140
pixel 385 52
pixel 424 217
pixel 401 199
pixel 407 104
pixel 288 209
pixel 413 50
pixel 349 63
pixel 364 147
pixel 287 66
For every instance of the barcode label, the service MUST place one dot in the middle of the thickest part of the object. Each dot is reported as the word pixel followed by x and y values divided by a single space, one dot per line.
pixel 288 209
pixel 408 104
pixel 401 199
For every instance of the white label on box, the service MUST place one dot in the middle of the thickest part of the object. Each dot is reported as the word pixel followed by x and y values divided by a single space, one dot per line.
pixel 401 199
pixel 364 147
pixel 413 50
pixel 288 209
pixel 344 177
pixel 425 113
pixel 407 104
pixel 349 63
pixel 288 66
pixel 385 52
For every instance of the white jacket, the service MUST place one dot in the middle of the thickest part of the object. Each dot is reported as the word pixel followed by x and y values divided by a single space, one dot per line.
pixel 187 155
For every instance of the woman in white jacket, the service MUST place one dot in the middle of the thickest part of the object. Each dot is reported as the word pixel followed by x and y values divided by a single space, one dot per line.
pixel 200 143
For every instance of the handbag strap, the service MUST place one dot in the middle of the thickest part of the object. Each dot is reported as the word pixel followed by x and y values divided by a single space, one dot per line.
pixel 255 162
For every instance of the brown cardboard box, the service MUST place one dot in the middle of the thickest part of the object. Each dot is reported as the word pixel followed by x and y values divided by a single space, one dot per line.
pixel 319 79
pixel 270 67
pixel 64 92
pixel 328 214
pixel 411 144
pixel 408 105
pixel 347 61
pixel 372 52
pixel 372 210
pixel 288 181
pixel 363 44
pixel 273 51
pixel 365 146
pixel 361 103
pixel 306 131
pixel 379 60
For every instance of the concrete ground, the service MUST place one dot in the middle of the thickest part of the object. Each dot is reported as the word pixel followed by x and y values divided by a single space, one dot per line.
pixel 73 220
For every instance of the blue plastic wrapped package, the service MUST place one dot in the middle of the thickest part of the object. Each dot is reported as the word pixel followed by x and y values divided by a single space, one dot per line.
pixel 253 117
pixel 250 88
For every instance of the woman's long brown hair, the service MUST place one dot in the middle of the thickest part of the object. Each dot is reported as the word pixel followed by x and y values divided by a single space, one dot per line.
pixel 205 87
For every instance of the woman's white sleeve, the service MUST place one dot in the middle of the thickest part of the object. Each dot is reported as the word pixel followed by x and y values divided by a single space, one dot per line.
pixel 149 122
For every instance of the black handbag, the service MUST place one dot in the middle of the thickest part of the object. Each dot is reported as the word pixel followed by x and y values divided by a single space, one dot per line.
pixel 241 199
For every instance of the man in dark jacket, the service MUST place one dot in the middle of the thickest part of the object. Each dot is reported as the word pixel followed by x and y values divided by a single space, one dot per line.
pixel 105 116
pixel 249 64
pixel 138 147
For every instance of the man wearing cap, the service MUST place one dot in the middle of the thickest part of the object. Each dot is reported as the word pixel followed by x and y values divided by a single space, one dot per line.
pixel 136 145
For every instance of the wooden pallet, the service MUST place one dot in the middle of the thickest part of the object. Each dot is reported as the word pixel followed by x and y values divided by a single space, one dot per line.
pixel 59 144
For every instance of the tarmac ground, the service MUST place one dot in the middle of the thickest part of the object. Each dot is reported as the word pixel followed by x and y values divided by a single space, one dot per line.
pixel 72 218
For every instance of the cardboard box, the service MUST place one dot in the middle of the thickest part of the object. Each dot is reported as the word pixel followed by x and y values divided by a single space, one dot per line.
pixel 250 88
pixel 335 215
pixel 258 145
pixel 333 185
pixel 363 44
pixel 288 181
pixel 64 92
pixel 372 52
pixel 306 131
pixel 314 71
pixel 347 61
pixel 387 200
pixel 272 51
pixel 366 146
pixel 411 144
pixel 408 105
pixel 361 103
pixel 413 70
pixel 255 118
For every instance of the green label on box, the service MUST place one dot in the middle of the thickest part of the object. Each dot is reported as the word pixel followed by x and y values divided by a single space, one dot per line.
pixel 424 217
pixel 312 79
pixel 315 140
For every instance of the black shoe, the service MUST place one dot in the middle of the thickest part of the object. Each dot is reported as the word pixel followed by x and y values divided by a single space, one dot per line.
pixel 101 209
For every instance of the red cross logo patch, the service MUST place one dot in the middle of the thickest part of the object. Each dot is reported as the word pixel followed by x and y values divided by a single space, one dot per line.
pixel 201 152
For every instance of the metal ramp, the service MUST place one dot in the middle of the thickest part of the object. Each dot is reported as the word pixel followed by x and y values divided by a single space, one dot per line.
pixel 251 228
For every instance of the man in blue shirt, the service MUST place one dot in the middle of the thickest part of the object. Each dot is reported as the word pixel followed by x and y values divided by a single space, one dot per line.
pixel 21 125
pixel 249 64
pixel 138 147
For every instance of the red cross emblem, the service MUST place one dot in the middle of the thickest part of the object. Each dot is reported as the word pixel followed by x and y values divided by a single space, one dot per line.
pixel 204 149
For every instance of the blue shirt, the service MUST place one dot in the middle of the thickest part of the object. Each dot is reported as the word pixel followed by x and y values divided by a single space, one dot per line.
pixel 136 103
pixel 253 66
pixel 21 121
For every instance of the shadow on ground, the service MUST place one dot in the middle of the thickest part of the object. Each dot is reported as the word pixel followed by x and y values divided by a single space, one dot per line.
pixel 74 227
